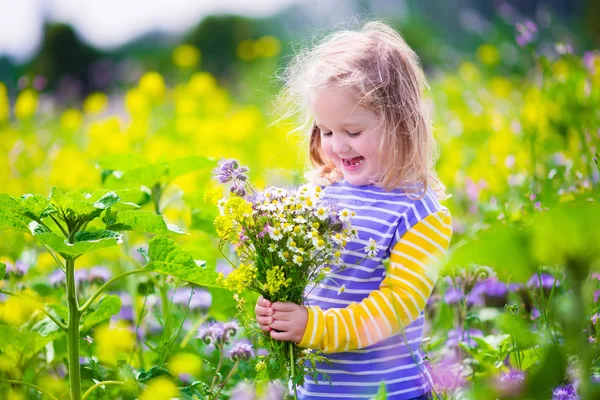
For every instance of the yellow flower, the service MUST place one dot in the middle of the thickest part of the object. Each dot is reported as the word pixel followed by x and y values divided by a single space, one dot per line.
pixel 245 50
pixel 4 106
pixel 136 103
pixel 27 103
pixel 267 46
pixel 160 389
pixel 114 342
pixel 275 280
pixel 185 363
pixel 95 103
pixel 488 54
pixel 202 83
pixel 71 119
pixel 186 56
pixel 152 84
pixel 16 310
pixel 240 278
pixel 212 196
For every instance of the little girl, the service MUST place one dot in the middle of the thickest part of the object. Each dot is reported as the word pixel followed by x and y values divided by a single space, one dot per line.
pixel 372 145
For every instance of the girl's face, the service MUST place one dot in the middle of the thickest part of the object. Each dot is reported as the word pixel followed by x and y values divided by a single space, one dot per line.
pixel 350 134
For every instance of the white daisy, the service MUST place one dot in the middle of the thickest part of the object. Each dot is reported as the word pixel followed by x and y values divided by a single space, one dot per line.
pixel 275 234
pixel 371 248
pixel 321 213
pixel 298 259
pixel 345 215
pixel 342 289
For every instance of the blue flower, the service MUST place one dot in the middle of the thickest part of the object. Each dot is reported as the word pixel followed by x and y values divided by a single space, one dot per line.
pixel 241 350
pixel 566 392
pixel 230 170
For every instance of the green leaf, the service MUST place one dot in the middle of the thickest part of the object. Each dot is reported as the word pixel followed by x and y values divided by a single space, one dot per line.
pixel 161 172
pixel 155 372
pixel 35 206
pixel 60 310
pixel 12 220
pixel 108 306
pixel 45 327
pixel 506 249
pixel 203 220
pixel 381 393
pixel 107 200
pixel 25 345
pixel 84 241
pixel 2 270
pixel 141 221
pixel 130 198
pixel 193 392
pixel 169 258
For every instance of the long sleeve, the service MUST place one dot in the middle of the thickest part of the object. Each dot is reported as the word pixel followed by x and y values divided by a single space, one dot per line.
pixel 414 266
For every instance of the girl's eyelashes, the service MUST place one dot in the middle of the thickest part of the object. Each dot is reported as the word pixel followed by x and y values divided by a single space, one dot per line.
pixel 351 134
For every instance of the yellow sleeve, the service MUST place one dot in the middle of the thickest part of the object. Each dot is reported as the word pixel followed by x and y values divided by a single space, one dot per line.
pixel 414 267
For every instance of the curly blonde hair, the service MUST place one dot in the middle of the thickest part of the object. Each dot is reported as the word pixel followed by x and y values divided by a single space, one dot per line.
pixel 377 62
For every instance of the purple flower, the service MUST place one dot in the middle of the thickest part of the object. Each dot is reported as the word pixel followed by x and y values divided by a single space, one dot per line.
pixel 213 333
pixel 565 392
pixel 19 268
pixel 57 277
pixel 456 336
pixel 237 188
pixel 230 169
pixel 99 274
pixel 453 295
pixel 200 298
pixel 547 281
pixel 511 383
pixel 241 350
pixel 526 32
pixel 494 292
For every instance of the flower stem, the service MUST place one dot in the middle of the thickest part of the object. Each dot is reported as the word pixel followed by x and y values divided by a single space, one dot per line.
pixel 31 385
pixel 227 378
pixel 293 375
pixel 105 383
pixel 73 332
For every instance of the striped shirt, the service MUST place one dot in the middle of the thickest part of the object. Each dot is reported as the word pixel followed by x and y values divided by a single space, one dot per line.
pixel 369 317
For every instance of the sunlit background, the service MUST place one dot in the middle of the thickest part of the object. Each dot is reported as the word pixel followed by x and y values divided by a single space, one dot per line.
pixel 92 87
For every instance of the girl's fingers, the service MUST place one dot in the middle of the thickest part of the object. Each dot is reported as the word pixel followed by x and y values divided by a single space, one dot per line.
pixel 265 328
pixel 283 326
pixel 263 311
pixel 281 315
pixel 264 320
pixel 263 302
pixel 279 306
pixel 285 336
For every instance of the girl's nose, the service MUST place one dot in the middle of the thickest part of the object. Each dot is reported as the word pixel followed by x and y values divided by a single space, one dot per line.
pixel 340 146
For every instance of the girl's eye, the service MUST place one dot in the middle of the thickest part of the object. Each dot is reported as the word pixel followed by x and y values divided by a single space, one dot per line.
pixel 326 133
pixel 354 134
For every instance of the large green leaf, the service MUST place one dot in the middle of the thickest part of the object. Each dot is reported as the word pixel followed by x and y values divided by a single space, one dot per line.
pixel 571 231
pixel 169 258
pixel 21 345
pixel 504 248
pixel 155 372
pixel 84 241
pixel 12 220
pixel 161 172
pixel 35 206
pixel 142 221
pixel 131 198
pixel 108 306
pixel 204 220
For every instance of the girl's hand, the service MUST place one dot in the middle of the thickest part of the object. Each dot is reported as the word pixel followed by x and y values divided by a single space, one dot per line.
pixel 263 312
pixel 289 322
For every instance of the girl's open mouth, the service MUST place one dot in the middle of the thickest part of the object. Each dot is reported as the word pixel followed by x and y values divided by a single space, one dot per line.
pixel 352 163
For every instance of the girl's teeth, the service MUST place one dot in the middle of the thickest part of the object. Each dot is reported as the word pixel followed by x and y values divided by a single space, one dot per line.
pixel 358 161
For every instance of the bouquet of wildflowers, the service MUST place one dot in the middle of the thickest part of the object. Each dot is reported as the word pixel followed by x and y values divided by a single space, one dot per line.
pixel 284 241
